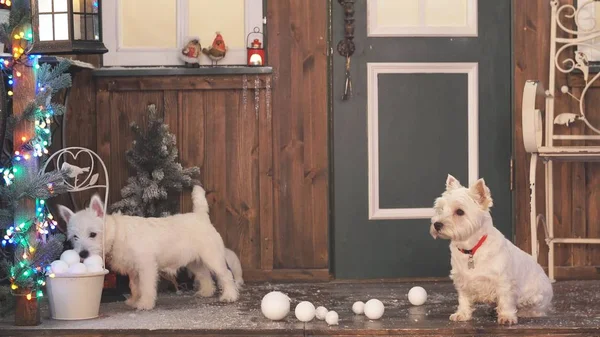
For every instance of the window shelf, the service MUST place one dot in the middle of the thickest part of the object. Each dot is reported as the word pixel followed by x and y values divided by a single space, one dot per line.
pixel 180 71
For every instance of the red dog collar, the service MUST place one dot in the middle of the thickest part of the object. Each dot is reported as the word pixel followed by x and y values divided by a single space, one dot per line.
pixel 474 249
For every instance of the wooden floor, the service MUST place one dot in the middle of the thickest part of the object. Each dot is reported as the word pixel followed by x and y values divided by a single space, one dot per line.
pixel 576 312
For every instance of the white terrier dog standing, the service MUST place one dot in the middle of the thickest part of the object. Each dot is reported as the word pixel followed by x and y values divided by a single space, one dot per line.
pixel 486 267
pixel 141 247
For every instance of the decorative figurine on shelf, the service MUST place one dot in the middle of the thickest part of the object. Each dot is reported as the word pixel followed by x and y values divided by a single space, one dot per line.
pixel 190 54
pixel 217 51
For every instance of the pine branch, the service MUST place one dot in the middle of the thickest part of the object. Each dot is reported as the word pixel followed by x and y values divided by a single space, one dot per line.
pixel 55 78
pixel 34 187
pixel 50 251
pixel 19 14
pixel 58 108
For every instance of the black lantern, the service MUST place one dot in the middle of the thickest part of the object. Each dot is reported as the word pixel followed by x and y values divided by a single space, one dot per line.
pixel 67 27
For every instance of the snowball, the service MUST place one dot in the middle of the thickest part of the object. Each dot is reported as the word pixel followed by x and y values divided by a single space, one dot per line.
pixel 321 312
pixel 358 308
pixel 78 268
pixel 94 268
pixel 70 257
pixel 374 309
pixel 332 318
pixel 305 311
pixel 59 267
pixel 93 260
pixel 417 296
pixel 275 305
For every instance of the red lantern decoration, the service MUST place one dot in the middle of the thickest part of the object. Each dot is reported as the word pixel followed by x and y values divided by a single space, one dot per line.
pixel 256 52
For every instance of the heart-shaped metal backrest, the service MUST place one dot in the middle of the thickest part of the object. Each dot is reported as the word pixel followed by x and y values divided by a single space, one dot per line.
pixel 61 160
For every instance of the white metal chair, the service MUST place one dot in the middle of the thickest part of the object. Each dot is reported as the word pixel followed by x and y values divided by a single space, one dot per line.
pixel 535 123
pixel 90 179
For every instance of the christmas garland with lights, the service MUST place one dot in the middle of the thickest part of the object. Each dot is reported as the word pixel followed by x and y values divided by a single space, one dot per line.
pixel 31 243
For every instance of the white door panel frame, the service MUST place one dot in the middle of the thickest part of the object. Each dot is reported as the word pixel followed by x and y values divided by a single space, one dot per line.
pixel 373 71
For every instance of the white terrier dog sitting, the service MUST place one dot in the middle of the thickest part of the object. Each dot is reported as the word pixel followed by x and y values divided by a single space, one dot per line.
pixel 141 247
pixel 486 267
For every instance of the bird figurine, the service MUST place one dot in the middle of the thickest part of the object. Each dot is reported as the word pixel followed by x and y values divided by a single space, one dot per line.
pixel 74 171
pixel 217 51
pixel 190 54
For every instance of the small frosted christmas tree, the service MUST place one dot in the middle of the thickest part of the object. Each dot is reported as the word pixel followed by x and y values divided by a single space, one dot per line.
pixel 153 191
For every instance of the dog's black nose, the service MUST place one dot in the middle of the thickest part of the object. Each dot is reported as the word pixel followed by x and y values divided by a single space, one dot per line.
pixel 438 226
pixel 84 254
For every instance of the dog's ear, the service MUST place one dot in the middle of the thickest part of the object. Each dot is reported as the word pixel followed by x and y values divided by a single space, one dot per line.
pixel 65 213
pixel 481 193
pixel 97 205
pixel 452 183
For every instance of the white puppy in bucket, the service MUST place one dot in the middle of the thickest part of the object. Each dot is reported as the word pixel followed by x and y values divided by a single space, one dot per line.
pixel 141 247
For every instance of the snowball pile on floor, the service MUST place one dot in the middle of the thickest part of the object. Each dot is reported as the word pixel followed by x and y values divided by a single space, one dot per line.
pixel 332 318
pixel 275 305
pixel 70 257
pixel 321 313
pixel 358 308
pixel 374 309
pixel 417 296
pixel 305 311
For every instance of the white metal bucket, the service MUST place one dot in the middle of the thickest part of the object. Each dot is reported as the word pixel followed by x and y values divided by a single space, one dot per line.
pixel 75 297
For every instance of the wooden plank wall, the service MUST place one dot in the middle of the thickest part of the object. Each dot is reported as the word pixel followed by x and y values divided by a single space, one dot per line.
pixel 576 185
pixel 268 173
pixel 220 128
pixel 297 50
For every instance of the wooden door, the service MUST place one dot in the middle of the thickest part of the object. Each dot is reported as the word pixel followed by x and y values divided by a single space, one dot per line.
pixel 431 96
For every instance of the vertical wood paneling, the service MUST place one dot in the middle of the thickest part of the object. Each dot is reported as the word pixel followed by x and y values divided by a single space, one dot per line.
pixel 577 218
pixel 247 190
pixel 215 178
pixel 191 119
pixel 298 52
pixel 591 190
pixel 103 132
pixel 80 116
pixel 265 176
pixel 224 131
pixel 577 185
pixel 126 108
pixel 531 29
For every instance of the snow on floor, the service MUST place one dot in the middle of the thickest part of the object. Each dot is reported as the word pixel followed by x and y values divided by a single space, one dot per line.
pixel 576 305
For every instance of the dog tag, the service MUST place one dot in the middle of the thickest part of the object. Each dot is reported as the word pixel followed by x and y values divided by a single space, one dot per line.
pixel 471 262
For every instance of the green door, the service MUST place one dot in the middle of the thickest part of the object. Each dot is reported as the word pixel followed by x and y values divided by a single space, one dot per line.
pixel 431 97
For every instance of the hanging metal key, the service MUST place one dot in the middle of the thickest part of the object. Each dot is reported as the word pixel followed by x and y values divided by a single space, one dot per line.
pixel 346 46
pixel 348 84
